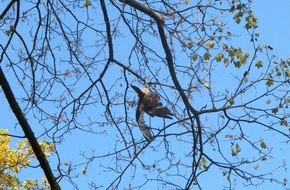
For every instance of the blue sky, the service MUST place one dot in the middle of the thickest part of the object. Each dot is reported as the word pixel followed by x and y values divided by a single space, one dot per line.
pixel 274 30
pixel 273 25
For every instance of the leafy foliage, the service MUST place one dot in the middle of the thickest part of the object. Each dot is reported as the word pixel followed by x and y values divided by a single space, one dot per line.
pixel 13 160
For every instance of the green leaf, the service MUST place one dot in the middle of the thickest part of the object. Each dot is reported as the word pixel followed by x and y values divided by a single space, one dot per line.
pixel 224 173
pixel 285 181
pixel 240 6
pixel 229 136
pixel 275 110
pixel 232 101
pixel 234 153
pixel 270 47
pixel 287 73
pixel 226 62
pixel 206 55
pixel 189 44
pixel 225 47
pixel 259 64
pixel 284 122
pixel 202 164
pixel 210 44
pixel 237 17
pixel 219 57
pixel 194 182
pixel 237 64
pixel 194 57
pixel 84 170
pixel 246 55
pixel 87 3
pixel 8 32
pixel 199 164
pixel 238 148
pixel 269 81
pixel 263 144
pixel 251 21
pixel 231 52
pixel 233 8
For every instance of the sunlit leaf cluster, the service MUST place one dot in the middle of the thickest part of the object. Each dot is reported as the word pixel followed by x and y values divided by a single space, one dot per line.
pixel 13 160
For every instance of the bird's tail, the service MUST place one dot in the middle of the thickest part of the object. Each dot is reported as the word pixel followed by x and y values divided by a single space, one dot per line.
pixel 161 111
pixel 143 127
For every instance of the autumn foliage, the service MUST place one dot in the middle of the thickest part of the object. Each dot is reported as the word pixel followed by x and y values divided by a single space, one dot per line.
pixel 13 160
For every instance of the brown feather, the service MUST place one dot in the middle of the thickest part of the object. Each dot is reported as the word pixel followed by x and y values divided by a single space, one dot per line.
pixel 149 103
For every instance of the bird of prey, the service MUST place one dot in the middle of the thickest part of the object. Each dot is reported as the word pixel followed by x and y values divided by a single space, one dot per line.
pixel 149 103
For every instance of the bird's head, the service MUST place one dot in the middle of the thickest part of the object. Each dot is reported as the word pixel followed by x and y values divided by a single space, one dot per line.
pixel 141 91
pixel 145 90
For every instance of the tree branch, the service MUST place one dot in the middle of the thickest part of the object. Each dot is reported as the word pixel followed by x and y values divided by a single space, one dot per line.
pixel 160 22
pixel 28 132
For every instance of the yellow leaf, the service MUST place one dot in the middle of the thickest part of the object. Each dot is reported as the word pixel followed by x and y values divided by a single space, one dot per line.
pixel 206 85
pixel 210 44
pixel 256 166
pixel 238 148
pixel 84 170
pixel 234 153
pixel 232 101
pixel 11 160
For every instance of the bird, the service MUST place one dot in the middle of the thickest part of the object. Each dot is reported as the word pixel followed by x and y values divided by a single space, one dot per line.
pixel 149 103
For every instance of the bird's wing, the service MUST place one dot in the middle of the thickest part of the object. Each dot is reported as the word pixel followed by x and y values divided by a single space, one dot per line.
pixel 153 107
pixel 150 101
pixel 161 111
